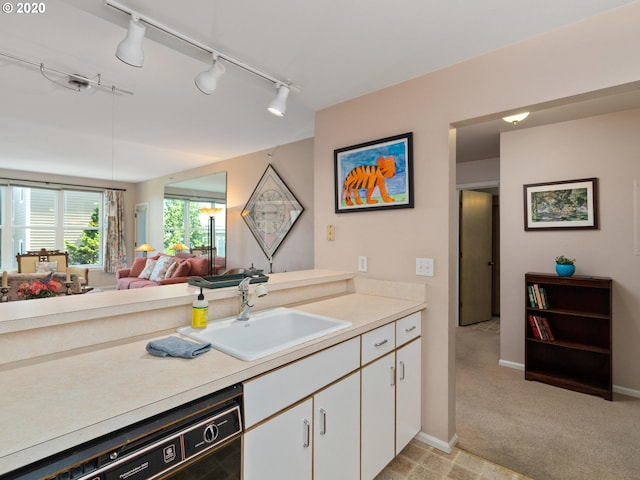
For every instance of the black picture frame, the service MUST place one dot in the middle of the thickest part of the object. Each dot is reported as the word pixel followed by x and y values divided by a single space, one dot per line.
pixel 571 204
pixel 375 175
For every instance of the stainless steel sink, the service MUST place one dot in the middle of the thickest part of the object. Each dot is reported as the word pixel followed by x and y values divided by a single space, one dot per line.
pixel 266 332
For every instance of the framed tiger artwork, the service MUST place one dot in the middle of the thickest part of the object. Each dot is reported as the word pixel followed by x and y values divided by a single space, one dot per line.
pixel 374 175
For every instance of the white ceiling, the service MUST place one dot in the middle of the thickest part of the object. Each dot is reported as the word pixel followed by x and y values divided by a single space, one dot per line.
pixel 333 49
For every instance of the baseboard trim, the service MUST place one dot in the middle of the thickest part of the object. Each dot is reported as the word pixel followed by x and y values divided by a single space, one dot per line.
pixel 509 364
pixel 437 443
pixel 616 388
pixel 626 391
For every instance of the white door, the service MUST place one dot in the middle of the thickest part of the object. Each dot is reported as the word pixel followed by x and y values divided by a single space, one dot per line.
pixel 378 415
pixel 336 431
pixel 280 449
pixel 408 393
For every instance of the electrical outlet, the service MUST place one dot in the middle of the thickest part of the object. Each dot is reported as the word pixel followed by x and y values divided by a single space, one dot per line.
pixel 424 267
pixel 362 263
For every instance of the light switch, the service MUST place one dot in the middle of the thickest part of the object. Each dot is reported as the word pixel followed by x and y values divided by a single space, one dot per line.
pixel 424 267
pixel 362 263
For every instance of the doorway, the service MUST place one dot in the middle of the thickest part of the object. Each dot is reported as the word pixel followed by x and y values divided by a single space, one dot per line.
pixel 479 255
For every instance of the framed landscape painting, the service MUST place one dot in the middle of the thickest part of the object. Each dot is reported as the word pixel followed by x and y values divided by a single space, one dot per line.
pixel 565 204
pixel 374 175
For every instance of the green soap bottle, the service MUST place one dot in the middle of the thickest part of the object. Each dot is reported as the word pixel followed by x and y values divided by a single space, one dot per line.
pixel 199 312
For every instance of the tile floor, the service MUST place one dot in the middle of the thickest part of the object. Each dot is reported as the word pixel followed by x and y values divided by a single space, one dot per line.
pixel 419 461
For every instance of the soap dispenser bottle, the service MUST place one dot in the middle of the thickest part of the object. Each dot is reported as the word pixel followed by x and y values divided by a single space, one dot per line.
pixel 199 312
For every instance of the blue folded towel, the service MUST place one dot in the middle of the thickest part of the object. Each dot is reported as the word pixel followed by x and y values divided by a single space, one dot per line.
pixel 177 347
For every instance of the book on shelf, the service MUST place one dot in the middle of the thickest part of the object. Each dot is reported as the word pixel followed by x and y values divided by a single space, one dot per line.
pixel 541 328
pixel 547 329
pixel 543 296
pixel 543 334
pixel 534 328
pixel 537 297
pixel 532 296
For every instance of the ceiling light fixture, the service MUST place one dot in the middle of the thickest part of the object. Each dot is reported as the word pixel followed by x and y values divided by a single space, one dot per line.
pixel 279 104
pixel 214 72
pixel 207 81
pixel 130 49
pixel 75 81
pixel 515 119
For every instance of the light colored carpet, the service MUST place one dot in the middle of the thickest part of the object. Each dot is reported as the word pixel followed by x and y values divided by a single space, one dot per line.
pixel 544 432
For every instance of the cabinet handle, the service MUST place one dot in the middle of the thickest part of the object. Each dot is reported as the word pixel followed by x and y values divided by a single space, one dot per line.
pixel 379 344
pixel 401 370
pixel 410 329
pixel 323 421
pixel 393 376
pixel 306 434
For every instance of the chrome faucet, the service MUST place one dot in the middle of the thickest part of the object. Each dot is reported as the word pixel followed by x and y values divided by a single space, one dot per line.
pixel 248 301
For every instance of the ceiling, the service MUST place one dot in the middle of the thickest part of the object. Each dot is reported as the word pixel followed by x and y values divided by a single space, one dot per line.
pixel 330 50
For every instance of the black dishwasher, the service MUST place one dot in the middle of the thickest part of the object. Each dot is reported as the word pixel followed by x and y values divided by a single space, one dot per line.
pixel 197 441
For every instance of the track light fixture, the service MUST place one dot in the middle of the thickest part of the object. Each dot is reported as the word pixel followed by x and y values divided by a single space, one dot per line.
pixel 74 81
pixel 130 51
pixel 279 104
pixel 207 81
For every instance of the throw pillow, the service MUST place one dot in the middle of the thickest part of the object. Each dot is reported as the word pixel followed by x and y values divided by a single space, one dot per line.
pixel 170 270
pixel 182 270
pixel 160 268
pixel 199 266
pixel 46 267
pixel 148 268
pixel 137 267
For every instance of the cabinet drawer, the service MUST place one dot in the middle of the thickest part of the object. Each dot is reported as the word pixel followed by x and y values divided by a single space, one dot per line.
pixel 280 388
pixel 378 342
pixel 408 328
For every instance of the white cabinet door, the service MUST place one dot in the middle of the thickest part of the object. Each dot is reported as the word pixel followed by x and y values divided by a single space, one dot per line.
pixel 281 447
pixel 408 393
pixel 336 431
pixel 378 416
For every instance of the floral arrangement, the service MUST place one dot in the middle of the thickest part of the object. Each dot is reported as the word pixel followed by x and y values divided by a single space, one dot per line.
pixel 47 287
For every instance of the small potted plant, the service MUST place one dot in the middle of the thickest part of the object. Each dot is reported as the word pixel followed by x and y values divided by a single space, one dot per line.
pixel 565 266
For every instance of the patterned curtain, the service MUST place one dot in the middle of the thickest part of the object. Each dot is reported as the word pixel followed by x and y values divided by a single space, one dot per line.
pixel 115 254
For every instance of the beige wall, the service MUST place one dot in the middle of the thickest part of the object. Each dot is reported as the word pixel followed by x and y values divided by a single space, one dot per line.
pixel 478 173
pixel 587 56
pixel 294 164
pixel 605 147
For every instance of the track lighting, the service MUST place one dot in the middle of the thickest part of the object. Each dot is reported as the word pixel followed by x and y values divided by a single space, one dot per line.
pixel 279 104
pixel 130 49
pixel 207 81
pixel 74 81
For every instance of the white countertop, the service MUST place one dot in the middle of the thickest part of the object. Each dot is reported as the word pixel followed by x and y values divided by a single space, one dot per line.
pixel 55 402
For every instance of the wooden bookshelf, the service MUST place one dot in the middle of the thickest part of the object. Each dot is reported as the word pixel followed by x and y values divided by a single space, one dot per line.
pixel 579 315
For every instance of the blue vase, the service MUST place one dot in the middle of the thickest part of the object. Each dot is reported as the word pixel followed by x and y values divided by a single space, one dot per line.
pixel 565 270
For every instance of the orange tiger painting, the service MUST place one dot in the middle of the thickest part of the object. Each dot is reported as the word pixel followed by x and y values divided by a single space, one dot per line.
pixel 369 177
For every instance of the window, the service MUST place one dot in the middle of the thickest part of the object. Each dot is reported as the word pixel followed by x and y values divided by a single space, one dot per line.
pixel 34 218
pixel 183 223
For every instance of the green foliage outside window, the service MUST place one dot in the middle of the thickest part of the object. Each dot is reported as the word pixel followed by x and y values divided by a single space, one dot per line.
pixel 86 250
pixel 174 224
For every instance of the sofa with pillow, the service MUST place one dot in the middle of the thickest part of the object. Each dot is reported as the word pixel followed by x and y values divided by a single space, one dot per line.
pixel 50 261
pixel 161 269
